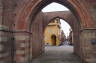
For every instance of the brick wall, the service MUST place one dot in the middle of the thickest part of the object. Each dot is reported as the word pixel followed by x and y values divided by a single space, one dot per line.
pixel 6 47
pixel 86 37
pixel 37 36
pixel 29 44
pixel 22 47
pixel 92 9
pixel 6 32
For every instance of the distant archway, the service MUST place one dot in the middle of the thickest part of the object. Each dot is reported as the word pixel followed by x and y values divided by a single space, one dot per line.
pixel 65 15
pixel 75 28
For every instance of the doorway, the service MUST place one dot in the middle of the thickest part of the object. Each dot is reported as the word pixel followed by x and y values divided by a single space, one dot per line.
pixel 53 39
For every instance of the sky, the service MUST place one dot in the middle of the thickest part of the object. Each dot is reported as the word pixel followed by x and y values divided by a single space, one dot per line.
pixel 65 27
pixel 58 7
pixel 54 7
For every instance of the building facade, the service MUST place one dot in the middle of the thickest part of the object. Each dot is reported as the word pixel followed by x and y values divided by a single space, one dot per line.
pixel 52 33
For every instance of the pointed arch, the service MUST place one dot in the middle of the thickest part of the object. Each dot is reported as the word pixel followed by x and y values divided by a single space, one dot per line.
pixel 33 7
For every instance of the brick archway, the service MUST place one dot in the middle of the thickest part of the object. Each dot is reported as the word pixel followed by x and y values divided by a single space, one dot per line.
pixel 21 14
pixel 29 12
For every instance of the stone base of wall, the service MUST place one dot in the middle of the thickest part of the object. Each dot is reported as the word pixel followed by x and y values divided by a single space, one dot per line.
pixel 23 50
pixel 87 44
pixel 6 47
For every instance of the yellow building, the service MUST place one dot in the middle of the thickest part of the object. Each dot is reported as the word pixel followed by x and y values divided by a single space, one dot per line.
pixel 52 33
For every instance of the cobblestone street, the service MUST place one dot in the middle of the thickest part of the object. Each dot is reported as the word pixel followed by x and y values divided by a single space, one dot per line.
pixel 60 54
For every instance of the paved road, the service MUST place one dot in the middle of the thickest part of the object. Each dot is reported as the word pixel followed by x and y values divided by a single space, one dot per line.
pixel 61 54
